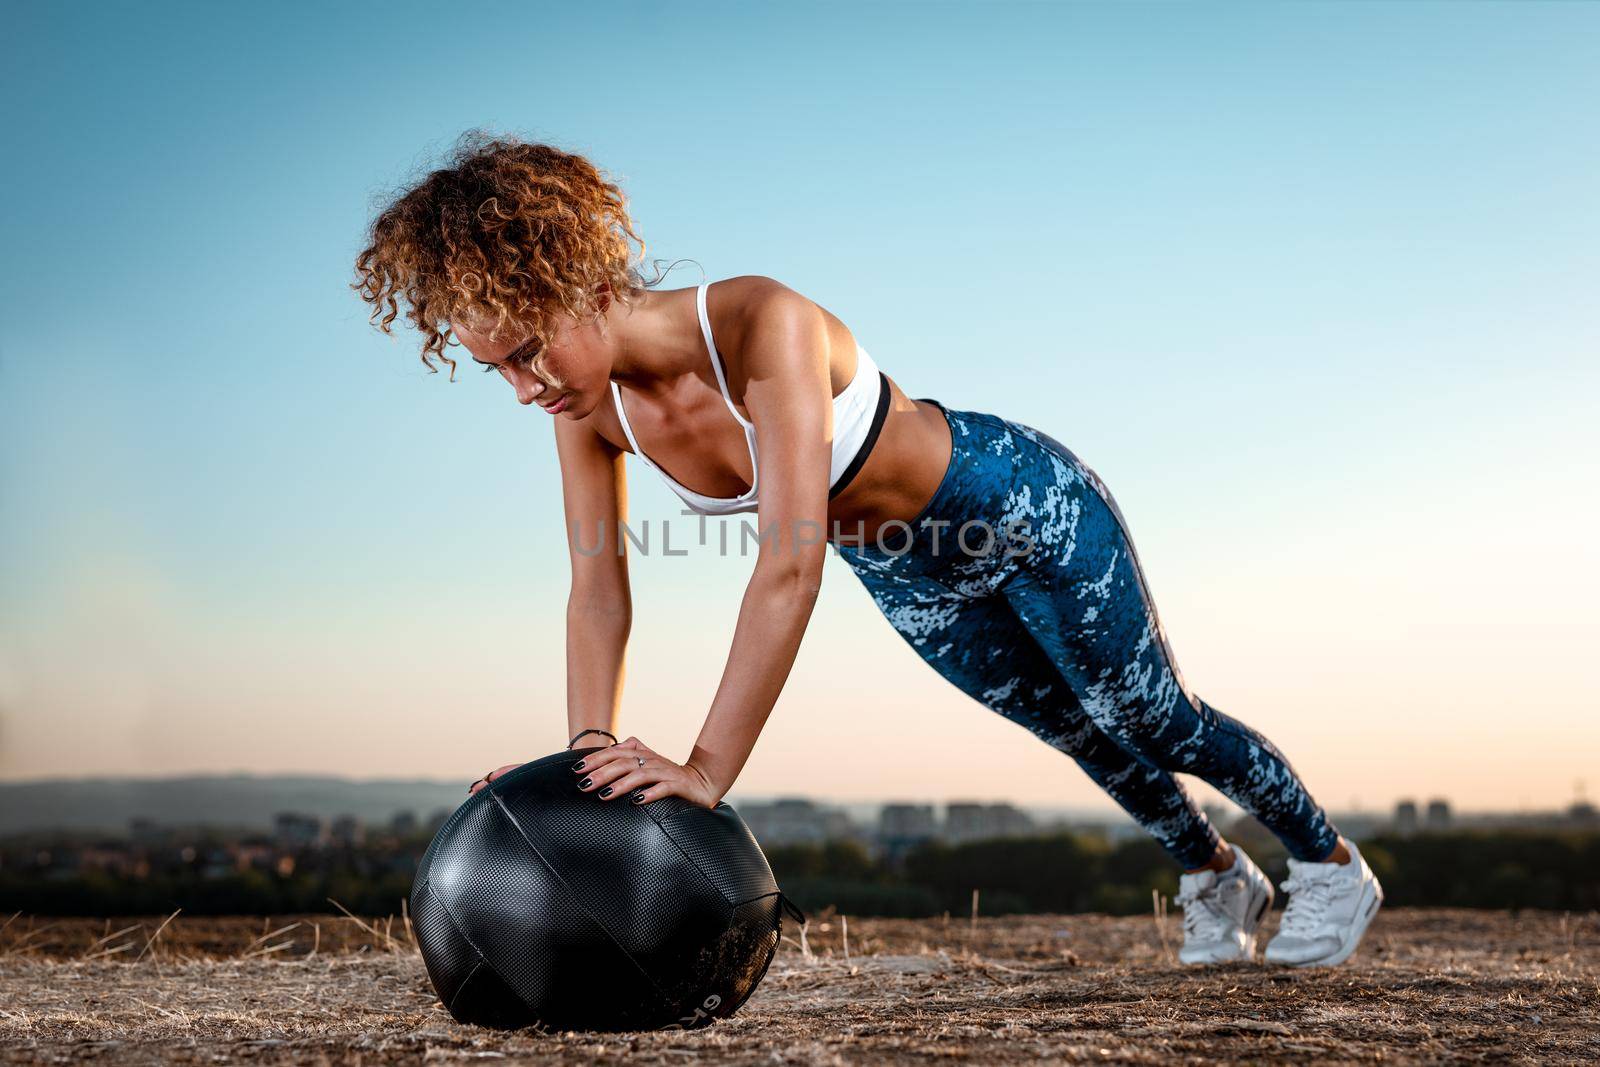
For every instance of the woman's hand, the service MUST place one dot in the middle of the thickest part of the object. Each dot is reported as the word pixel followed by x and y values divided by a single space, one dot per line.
pixel 491 776
pixel 629 768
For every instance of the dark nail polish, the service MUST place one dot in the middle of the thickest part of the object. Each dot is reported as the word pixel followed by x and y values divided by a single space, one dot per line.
pixel 578 766
pixel 606 791
pixel 586 783
pixel 638 798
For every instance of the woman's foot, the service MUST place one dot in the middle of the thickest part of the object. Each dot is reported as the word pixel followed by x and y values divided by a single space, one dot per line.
pixel 1330 906
pixel 1221 911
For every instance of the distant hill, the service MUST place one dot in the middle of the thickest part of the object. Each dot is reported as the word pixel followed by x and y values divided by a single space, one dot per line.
pixel 246 801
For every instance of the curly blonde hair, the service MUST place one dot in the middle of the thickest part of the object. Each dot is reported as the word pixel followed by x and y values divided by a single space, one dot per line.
pixel 507 231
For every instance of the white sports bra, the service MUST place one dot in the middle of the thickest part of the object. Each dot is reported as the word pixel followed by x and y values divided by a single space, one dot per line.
pixel 858 414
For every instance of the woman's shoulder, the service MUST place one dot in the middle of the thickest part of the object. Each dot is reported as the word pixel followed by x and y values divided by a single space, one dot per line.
pixel 744 301
pixel 749 305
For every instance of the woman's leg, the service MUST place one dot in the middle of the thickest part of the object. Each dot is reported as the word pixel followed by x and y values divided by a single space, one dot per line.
pixel 981 646
pixel 1083 597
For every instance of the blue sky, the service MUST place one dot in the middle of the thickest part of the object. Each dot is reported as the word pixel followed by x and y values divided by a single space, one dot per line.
pixel 1311 285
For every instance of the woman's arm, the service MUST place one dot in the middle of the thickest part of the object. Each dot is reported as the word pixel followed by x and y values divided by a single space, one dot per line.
pixel 789 397
pixel 599 606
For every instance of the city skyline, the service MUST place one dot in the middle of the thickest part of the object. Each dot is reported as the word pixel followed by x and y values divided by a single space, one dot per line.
pixel 242 800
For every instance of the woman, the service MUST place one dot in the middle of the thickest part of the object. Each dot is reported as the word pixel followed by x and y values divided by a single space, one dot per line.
pixel 994 551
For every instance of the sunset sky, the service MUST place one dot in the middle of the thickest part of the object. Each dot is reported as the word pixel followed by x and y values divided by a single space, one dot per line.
pixel 1312 286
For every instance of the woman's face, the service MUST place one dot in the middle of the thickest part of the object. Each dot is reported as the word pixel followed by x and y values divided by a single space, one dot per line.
pixel 567 377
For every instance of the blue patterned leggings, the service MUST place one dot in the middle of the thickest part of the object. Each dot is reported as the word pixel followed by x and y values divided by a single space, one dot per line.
pixel 1019 584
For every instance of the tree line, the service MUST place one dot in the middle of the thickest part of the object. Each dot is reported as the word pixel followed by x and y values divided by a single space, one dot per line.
pixel 1064 873
pixel 1069 873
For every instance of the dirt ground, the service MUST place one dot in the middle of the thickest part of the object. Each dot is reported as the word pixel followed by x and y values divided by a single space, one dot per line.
pixel 1426 986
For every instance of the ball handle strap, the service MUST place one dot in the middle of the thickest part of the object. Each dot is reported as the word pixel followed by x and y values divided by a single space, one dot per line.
pixel 581 733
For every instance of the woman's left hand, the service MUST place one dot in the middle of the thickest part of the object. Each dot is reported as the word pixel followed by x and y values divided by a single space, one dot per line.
pixel 633 770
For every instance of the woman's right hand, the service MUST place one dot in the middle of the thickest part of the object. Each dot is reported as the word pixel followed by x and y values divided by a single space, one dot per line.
pixel 491 776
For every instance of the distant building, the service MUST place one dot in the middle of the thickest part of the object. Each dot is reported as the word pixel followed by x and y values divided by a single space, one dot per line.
pixel 109 858
pixel 902 827
pixel 1581 813
pixel 347 831
pixel 255 856
pixel 907 820
pixel 216 862
pixel 1405 817
pixel 794 821
pixel 1438 817
pixel 965 821
pixel 1360 825
pixel 293 830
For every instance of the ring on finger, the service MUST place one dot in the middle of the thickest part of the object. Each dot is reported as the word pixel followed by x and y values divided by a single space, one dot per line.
pixel 640 759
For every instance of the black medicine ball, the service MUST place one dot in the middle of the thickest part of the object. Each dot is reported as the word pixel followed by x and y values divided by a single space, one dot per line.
pixel 537 903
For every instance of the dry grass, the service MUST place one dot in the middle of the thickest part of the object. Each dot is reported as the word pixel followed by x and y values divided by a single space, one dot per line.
pixel 1427 986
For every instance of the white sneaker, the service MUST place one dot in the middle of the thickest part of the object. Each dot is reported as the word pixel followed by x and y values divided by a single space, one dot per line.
pixel 1222 911
pixel 1330 907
